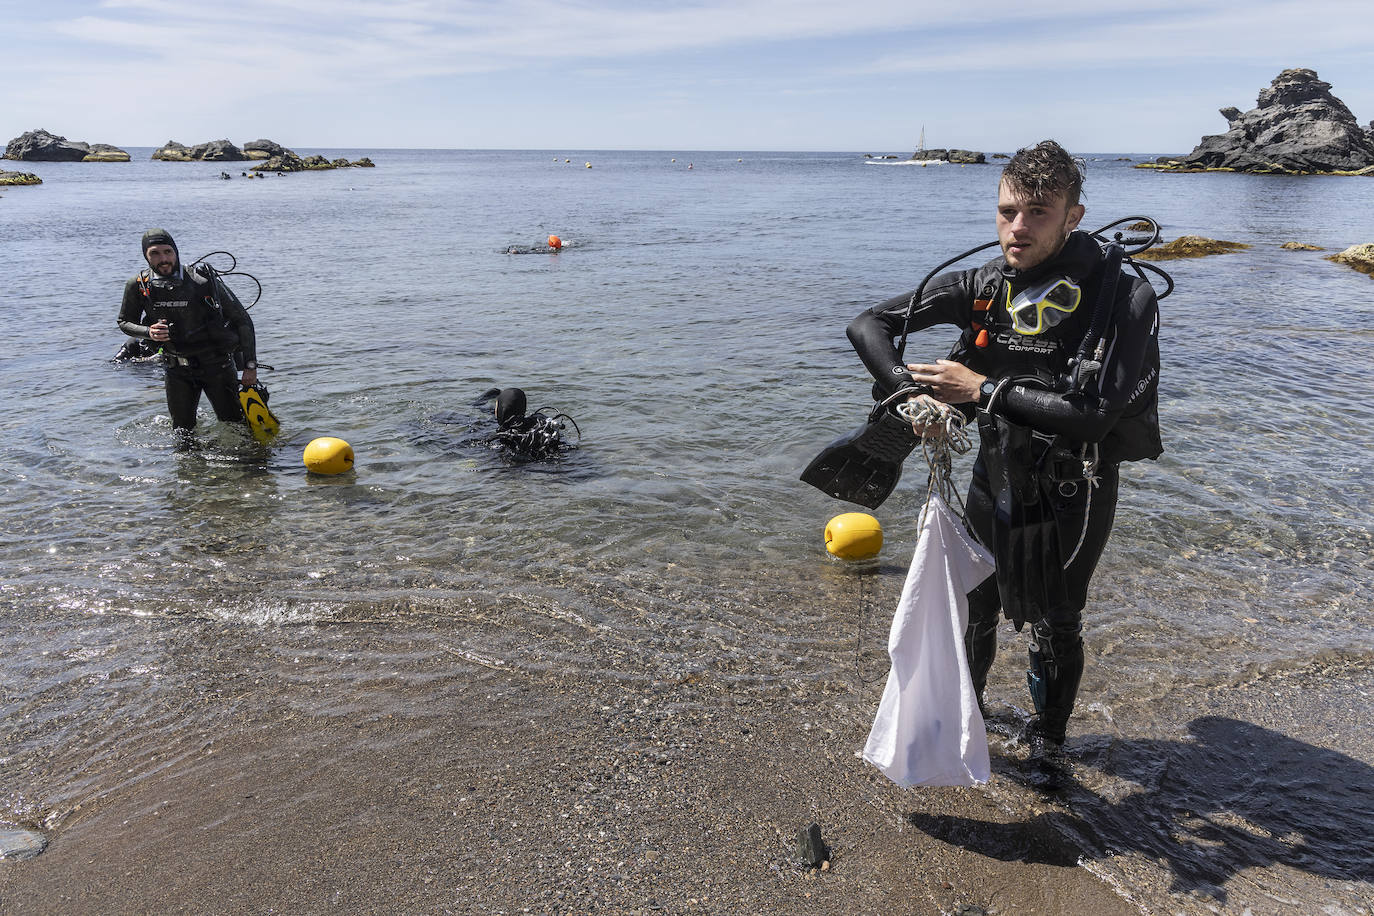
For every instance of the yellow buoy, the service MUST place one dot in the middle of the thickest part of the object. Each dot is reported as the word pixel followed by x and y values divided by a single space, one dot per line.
pixel 327 455
pixel 589 165
pixel 854 536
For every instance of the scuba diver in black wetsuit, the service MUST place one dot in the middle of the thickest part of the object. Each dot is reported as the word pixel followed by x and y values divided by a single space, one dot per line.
pixel 204 332
pixel 527 435
pixel 1059 358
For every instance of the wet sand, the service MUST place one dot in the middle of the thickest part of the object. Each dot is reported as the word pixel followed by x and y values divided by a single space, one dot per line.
pixel 545 793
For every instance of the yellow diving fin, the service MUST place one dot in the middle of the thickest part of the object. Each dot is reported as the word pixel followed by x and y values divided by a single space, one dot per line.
pixel 263 425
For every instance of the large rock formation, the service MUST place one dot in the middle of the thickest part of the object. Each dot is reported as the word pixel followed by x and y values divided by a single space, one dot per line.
pixel 214 151
pixel 264 149
pixel 41 146
pixel 962 156
pixel 1298 126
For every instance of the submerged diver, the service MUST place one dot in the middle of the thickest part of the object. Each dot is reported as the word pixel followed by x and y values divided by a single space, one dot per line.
pixel 203 330
pixel 1044 488
pixel 527 435
pixel 137 350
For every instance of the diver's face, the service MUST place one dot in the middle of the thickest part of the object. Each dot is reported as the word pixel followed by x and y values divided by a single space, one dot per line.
pixel 1032 230
pixel 162 259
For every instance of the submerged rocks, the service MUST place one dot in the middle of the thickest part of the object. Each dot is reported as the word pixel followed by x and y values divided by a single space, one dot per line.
pixel 1189 246
pixel 42 146
pixel 1297 127
pixel 1360 257
pixel 18 178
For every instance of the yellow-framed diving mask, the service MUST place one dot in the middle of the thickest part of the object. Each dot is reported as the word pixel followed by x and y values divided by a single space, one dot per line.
pixel 1038 308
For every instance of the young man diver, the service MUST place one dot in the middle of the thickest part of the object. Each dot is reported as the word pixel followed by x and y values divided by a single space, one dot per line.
pixel 204 332
pixel 1056 416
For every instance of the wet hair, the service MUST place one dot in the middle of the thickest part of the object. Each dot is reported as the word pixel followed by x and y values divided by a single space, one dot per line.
pixel 1044 170
pixel 510 406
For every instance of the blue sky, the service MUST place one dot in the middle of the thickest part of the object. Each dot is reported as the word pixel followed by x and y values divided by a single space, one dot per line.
pixel 698 74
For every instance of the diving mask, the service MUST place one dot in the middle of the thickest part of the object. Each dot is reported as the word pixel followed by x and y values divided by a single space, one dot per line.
pixel 1038 308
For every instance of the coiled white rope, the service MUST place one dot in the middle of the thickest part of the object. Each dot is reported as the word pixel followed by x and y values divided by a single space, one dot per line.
pixel 941 428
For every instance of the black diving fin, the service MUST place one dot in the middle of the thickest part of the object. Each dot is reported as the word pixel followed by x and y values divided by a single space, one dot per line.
pixel 864 466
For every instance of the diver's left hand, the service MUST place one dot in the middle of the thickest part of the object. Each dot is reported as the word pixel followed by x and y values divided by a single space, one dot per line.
pixel 250 378
pixel 950 382
pixel 931 429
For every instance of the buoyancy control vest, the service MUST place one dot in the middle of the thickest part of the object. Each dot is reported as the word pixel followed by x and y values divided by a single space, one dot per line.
pixel 200 324
pixel 991 346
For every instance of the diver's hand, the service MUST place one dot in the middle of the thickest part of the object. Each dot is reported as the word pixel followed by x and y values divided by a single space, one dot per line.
pixel 160 332
pixel 935 427
pixel 951 382
pixel 250 378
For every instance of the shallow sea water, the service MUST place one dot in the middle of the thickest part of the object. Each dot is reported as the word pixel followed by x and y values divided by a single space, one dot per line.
pixel 694 329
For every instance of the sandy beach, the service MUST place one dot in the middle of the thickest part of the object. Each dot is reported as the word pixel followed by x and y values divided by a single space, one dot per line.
pixel 520 792
pixel 542 795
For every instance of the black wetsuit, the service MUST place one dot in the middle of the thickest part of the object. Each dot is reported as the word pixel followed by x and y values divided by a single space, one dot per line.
pixel 210 329
pixel 1117 411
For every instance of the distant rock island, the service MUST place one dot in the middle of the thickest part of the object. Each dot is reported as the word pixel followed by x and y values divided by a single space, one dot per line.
pixel 1297 128
pixel 213 151
pixel 277 157
pixel 42 146
pixel 960 156
pixel 8 179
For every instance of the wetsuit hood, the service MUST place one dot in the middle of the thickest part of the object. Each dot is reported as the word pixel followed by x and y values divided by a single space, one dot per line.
pixel 159 237
pixel 510 406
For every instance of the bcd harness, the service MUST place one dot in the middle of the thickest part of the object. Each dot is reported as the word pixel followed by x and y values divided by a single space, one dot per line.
pixel 210 299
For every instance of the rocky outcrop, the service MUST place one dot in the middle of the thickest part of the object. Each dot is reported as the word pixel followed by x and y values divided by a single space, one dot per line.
pixel 104 152
pixel 41 146
pixel 16 178
pixel 288 161
pixel 1297 127
pixel 264 149
pixel 960 156
pixel 214 151
pixel 1360 257
pixel 1189 246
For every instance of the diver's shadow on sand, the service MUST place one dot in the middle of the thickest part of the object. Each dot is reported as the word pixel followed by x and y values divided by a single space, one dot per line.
pixel 1237 796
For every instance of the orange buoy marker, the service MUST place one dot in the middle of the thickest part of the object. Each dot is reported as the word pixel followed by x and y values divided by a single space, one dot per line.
pixel 328 455
pixel 854 536
pixel 555 242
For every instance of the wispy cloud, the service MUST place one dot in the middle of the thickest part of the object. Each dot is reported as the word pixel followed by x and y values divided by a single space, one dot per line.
pixel 322 41
pixel 1265 30
pixel 101 57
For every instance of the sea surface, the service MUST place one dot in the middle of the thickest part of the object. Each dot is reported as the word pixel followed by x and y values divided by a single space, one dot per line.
pixel 693 327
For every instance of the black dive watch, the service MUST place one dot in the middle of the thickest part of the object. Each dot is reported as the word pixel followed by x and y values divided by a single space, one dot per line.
pixel 986 391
